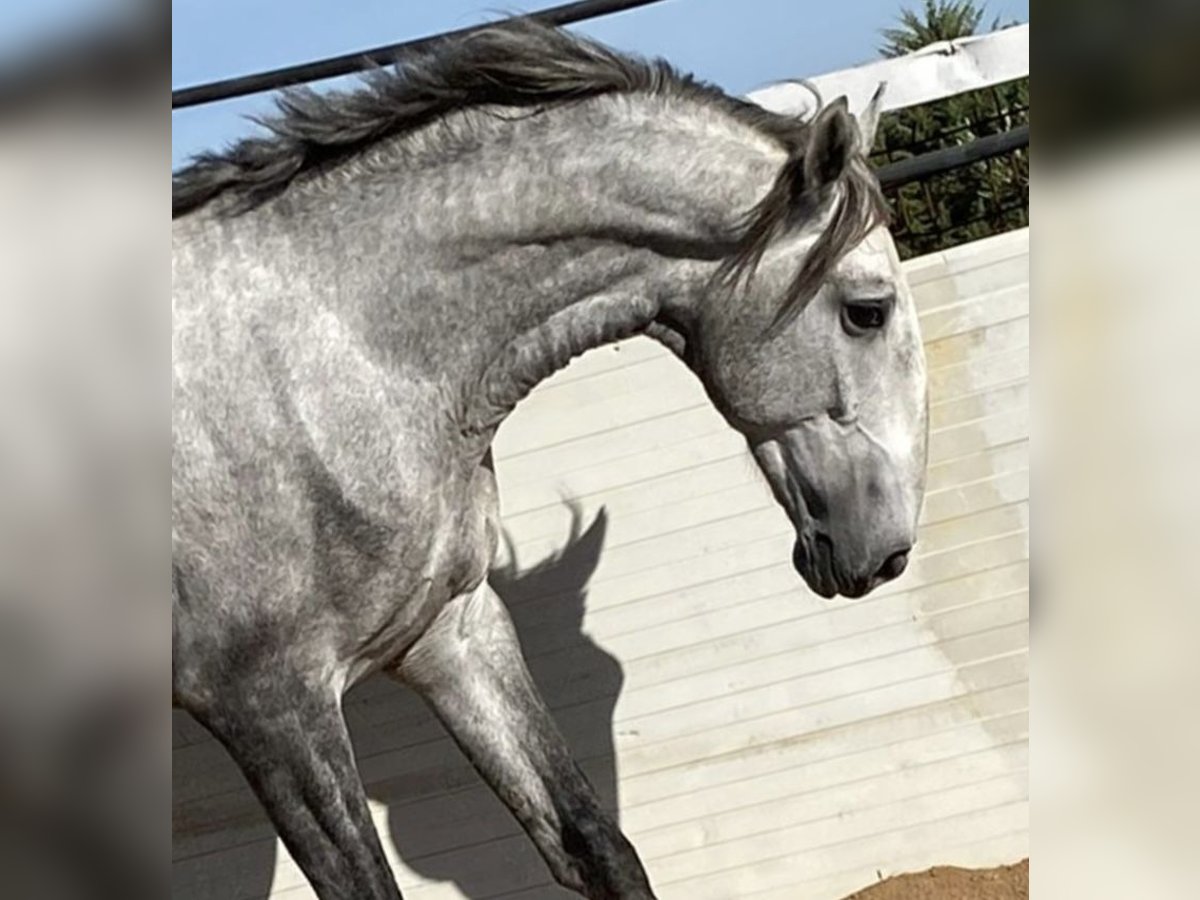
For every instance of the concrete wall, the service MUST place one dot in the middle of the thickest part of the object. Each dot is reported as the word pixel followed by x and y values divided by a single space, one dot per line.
pixel 757 740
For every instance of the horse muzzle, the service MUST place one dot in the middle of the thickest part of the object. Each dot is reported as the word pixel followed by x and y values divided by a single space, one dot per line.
pixel 817 563
pixel 853 508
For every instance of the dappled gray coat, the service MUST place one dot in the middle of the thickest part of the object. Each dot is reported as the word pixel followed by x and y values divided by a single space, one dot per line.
pixel 360 299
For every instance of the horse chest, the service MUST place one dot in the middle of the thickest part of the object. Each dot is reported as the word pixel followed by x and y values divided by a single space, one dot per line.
pixel 449 555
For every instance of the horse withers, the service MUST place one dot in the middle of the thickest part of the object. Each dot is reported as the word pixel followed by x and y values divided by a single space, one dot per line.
pixel 363 295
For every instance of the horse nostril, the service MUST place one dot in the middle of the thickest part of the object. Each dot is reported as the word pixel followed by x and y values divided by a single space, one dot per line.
pixel 893 566
pixel 824 544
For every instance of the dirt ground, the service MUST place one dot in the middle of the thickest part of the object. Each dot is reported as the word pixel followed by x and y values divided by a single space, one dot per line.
pixel 950 883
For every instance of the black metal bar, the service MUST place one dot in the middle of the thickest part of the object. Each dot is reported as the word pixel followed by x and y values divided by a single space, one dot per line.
pixel 379 56
pixel 949 158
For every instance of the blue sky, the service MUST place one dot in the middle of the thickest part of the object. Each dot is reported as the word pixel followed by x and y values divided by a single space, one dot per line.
pixel 739 44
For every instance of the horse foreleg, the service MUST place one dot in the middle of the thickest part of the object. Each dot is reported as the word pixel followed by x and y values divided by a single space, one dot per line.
pixel 468 667
pixel 291 743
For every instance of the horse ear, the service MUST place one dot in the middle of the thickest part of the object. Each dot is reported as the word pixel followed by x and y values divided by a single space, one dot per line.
pixel 832 141
pixel 868 122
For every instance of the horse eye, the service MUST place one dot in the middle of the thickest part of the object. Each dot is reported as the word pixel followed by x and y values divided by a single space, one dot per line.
pixel 861 317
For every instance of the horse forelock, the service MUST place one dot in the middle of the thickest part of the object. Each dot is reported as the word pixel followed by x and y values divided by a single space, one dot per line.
pixel 857 207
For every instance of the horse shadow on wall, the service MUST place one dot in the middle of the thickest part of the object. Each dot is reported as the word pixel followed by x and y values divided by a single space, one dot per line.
pixel 446 824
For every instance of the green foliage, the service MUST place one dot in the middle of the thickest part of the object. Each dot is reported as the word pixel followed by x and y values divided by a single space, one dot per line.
pixel 970 202
pixel 941 20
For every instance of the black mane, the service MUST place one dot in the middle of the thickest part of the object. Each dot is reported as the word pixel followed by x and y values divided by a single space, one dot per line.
pixel 516 63
pixel 520 63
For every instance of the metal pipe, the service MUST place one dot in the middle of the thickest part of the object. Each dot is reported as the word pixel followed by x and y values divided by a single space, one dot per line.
pixel 380 56
pixel 948 158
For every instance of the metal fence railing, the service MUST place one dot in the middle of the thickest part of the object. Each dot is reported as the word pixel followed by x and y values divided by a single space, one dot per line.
pixel 378 56
pixel 957 169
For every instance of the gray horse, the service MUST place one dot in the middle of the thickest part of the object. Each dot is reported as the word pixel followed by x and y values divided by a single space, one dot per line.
pixel 362 297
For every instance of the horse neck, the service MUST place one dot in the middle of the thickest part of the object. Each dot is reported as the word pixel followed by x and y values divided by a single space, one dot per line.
pixel 562 232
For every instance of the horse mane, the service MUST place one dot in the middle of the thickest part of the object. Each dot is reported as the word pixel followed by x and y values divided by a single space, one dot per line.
pixel 514 63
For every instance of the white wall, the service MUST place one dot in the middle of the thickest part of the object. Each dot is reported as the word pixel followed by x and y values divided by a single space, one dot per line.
pixel 931 73
pixel 763 742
